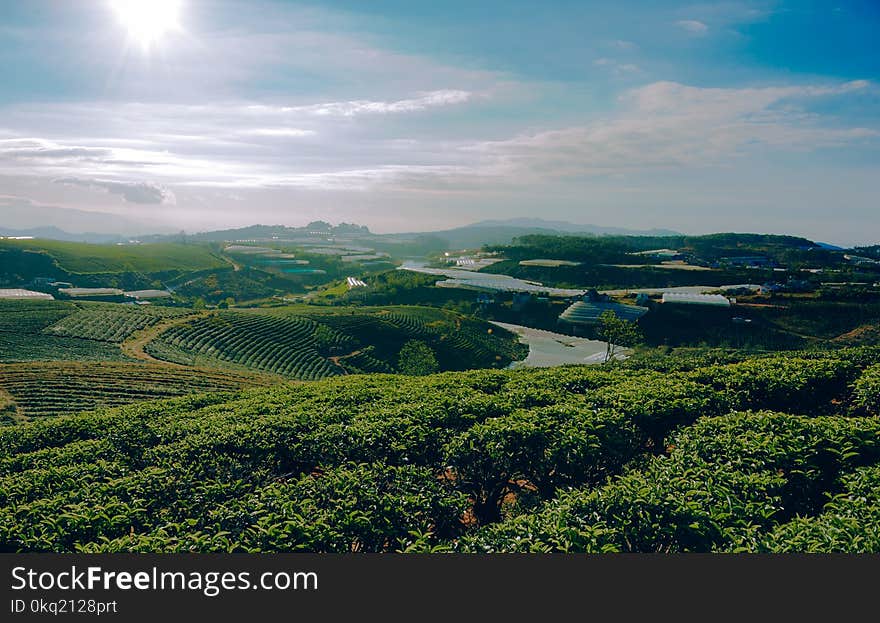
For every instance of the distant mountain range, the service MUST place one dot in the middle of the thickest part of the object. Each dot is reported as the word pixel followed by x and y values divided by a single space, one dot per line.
pixel 503 231
pixel 565 226
pixel 53 233
pixel 475 235
pixel 19 217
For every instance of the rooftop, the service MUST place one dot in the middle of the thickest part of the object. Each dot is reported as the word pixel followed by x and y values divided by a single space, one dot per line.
pixel 588 312
pixel 19 293
pixel 148 294
pixel 687 298
pixel 75 292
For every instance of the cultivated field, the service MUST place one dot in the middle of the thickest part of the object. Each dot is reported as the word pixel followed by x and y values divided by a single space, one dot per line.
pixel 38 389
pixel 312 342
pixel 765 455
pixel 83 258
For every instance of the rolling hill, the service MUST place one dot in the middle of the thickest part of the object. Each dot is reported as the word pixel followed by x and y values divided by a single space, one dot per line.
pixel 76 258
pixel 768 455
pixel 312 342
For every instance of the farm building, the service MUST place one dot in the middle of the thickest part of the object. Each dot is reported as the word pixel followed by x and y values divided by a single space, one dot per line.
pixel 586 313
pixel 548 263
pixel 687 298
pixel 659 254
pixel 142 295
pixel 92 294
pixel 19 293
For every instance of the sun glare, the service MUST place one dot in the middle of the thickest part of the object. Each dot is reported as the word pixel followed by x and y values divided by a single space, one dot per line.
pixel 147 21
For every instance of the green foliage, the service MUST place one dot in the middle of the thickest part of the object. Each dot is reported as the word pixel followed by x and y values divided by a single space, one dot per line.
pixel 730 484
pixel 574 459
pixel 546 449
pixel 616 332
pixel 867 390
pixel 850 521
pixel 109 322
pixel 26 334
pixel 54 388
pixel 659 403
pixel 83 258
pixel 31 316
pixel 280 345
pixel 416 358
pixel 351 508
pixel 311 342
pixel 790 384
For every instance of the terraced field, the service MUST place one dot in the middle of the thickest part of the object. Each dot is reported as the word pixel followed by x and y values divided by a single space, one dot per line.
pixel 53 388
pixel 111 323
pixel 280 345
pixel 25 335
pixel 31 316
pixel 310 343
pixel 460 343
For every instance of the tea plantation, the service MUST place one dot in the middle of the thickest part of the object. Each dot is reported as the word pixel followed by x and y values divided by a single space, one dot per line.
pixel 310 342
pixel 773 454
pixel 39 389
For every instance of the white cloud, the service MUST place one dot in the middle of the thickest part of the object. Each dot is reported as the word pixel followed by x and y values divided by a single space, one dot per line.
pixel 279 132
pixel 234 143
pixel 622 44
pixel 351 108
pixel 617 67
pixel 267 145
pixel 132 192
pixel 693 26
pixel 666 124
pixel 37 149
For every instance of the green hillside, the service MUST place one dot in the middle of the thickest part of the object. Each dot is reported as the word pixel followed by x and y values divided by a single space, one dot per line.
pixel 26 333
pixel 109 322
pixel 84 258
pixel 312 342
pixel 39 389
pixel 771 454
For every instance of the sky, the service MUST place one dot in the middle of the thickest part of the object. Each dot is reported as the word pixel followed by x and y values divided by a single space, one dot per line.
pixel 159 115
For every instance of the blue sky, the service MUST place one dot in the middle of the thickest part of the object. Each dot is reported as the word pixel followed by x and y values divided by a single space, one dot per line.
pixel 707 116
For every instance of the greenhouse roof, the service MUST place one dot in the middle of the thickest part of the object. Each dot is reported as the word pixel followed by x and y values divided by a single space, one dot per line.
pixel 583 312
pixel 18 293
pixel 688 298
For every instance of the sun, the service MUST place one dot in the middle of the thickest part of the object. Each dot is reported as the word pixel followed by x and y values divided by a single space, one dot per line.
pixel 147 21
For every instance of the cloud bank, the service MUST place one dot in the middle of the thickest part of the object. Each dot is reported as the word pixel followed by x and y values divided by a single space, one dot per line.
pixel 147 193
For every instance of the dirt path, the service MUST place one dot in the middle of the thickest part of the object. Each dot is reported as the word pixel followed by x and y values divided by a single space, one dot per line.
pixel 337 358
pixel 235 265
pixel 8 407
pixel 137 341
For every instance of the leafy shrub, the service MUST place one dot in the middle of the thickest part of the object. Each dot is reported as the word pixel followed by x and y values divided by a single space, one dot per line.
pixel 794 385
pixel 867 390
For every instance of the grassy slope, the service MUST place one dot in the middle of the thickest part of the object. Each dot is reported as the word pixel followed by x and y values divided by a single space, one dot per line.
pixel 83 258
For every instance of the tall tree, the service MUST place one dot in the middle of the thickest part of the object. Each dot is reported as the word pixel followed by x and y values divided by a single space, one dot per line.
pixel 616 333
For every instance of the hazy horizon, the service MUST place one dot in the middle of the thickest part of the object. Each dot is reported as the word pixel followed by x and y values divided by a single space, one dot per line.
pixel 743 115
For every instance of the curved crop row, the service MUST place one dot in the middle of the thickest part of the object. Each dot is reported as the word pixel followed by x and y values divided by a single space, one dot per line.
pixel 280 345
pixel 576 459
pixel 55 388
